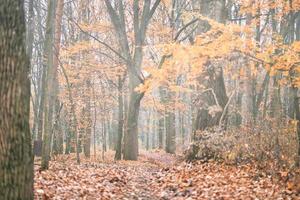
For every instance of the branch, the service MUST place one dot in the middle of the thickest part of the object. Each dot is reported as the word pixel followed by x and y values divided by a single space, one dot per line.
pixel 154 7
pixel 226 107
pixel 99 41
pixel 184 28
pixel 136 16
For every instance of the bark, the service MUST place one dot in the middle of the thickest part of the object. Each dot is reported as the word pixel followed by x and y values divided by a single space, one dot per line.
pixel 118 155
pixel 95 120
pixel 48 87
pixel 88 128
pixel 131 137
pixel 29 48
pixel 16 160
pixel 58 139
pixel 47 60
pixel 30 29
pixel 104 137
pixel 148 131
pixel 161 122
pixel 297 116
pixel 57 147
pixel 182 128
pixel 161 128
pixel 170 132
pixel 170 124
pixel 153 132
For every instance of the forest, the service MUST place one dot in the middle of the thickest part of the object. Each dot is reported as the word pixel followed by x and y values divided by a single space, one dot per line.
pixel 149 99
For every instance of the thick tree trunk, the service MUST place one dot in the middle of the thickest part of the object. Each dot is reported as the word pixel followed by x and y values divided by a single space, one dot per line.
pixel 131 136
pixel 16 160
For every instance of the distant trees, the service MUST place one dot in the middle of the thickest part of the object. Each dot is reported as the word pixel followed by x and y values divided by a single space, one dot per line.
pixel 151 73
pixel 16 159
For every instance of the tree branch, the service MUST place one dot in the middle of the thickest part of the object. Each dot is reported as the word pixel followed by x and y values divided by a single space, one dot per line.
pixel 184 28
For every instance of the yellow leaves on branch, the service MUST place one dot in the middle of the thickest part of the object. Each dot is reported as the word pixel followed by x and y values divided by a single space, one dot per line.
pixel 282 7
pixel 289 62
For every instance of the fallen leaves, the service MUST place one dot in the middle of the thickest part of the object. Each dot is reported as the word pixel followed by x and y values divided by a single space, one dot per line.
pixel 219 181
pixel 156 176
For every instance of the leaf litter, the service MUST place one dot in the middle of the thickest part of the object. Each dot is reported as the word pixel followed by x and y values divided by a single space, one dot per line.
pixel 158 176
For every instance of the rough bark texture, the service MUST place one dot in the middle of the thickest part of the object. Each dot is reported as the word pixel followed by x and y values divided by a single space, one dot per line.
pixel 16 161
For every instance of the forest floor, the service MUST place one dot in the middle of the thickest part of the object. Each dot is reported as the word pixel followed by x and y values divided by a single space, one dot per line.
pixel 157 176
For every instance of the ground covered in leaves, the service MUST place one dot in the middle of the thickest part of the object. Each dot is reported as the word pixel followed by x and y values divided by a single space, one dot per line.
pixel 157 176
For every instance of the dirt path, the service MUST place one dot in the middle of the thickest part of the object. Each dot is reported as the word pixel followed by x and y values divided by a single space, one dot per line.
pixel 155 176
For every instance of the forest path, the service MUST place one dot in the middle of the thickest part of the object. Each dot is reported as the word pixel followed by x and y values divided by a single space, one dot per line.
pixel 156 176
pixel 102 180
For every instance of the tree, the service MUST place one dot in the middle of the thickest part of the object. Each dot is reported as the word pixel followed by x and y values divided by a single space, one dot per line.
pixel 58 136
pixel 48 85
pixel 133 62
pixel 16 160
pixel 118 155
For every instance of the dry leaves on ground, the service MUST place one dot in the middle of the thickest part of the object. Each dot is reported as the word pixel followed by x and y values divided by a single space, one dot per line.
pixel 157 176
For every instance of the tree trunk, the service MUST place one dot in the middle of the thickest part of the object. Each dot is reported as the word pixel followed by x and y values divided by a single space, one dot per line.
pixel 153 132
pixel 148 131
pixel 95 121
pixel 58 139
pixel 131 136
pixel 118 155
pixel 297 115
pixel 88 127
pixel 16 160
pixel 161 130
pixel 57 147
pixel 49 87
pixel 170 132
